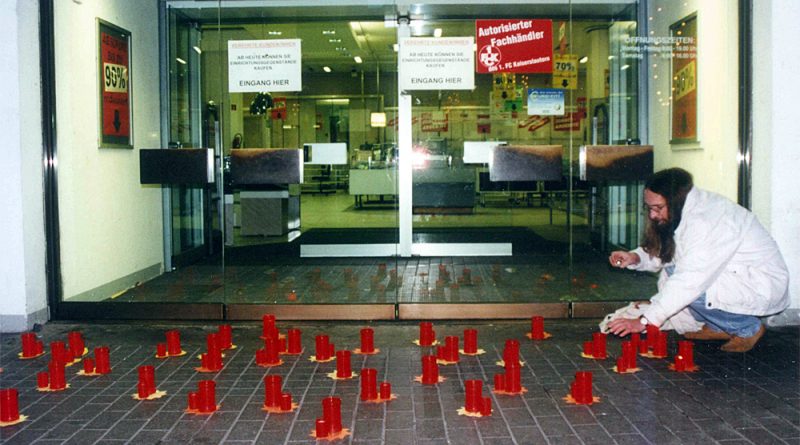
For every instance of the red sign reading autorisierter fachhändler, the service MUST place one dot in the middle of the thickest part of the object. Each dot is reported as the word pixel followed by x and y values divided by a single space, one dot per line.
pixel 514 46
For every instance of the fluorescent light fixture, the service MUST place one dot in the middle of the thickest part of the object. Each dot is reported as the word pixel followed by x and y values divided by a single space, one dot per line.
pixel 326 68
pixel 328 32
pixel 181 61
pixel 275 33
pixel 358 59
pixel 197 49
pixel 583 59
pixel 624 67
pixel 437 32
pixel 377 120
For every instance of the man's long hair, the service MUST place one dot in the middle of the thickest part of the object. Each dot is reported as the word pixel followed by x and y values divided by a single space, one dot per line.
pixel 673 184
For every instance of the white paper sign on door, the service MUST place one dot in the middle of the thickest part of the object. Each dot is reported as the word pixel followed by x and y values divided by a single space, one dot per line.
pixel 431 63
pixel 264 65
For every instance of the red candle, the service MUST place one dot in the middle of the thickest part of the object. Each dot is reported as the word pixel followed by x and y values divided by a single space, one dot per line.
pixel 680 363
pixel 499 382
pixel 174 342
pixel 295 345
pixel 686 350
pixel 272 390
pixel 537 327
pixel 430 370
pixel 43 380
pixel 28 344
pixel 332 413
pixel 386 390
pixel 102 360
pixel 629 354
pixel 660 348
pixel 511 351
pixel 322 428
pixel 635 339
pixel 194 403
pixel 369 384
pixel 588 348
pixel 207 397
pixel 59 352
pixel 473 399
pixel 268 328
pixel 76 345
pixel 286 402
pixel 323 348
pixel 426 334
pixel 57 376
pixel 225 336
pixel 147 378
pixel 9 405
pixel 451 348
pixel 161 349
pixel 622 364
pixel 513 377
pixel 470 341
pixel 643 348
pixel 367 341
pixel 486 406
pixel 582 389
pixel 343 370
pixel 599 349
pixel 88 365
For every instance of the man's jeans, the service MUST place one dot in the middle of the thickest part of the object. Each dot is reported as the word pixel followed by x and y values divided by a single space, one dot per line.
pixel 739 325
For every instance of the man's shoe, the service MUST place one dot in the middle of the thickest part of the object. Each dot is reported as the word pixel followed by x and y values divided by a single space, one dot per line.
pixel 706 333
pixel 743 344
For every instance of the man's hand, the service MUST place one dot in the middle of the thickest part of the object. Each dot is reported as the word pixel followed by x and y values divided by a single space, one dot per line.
pixel 625 326
pixel 623 259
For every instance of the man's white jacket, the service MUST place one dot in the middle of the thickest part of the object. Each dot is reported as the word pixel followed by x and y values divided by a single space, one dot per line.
pixel 720 249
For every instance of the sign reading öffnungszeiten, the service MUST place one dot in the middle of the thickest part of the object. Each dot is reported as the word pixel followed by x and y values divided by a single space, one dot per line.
pixel 437 63
pixel 264 66
pixel 514 46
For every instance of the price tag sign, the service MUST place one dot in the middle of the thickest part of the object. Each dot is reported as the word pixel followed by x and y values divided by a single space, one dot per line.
pixel 565 71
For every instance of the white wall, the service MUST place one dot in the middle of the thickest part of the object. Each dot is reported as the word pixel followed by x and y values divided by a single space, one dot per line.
pixel 23 298
pixel 712 161
pixel 776 135
pixel 111 226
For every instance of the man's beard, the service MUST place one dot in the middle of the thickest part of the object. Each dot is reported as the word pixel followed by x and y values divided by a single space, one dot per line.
pixel 664 229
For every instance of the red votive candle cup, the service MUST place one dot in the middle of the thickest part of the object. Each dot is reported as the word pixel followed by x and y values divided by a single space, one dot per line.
pixel 369 384
pixel 295 345
pixel 470 341
pixel 680 363
pixel 142 390
pixel 225 336
pixel 147 376
pixel 583 387
pixel 272 390
pixel 343 370
pixel 76 345
pixel 207 396
pixel 511 351
pixel 513 377
pixel 59 352
pixel 499 382
pixel 599 340
pixel 635 339
pixel 173 342
pixel 28 344
pixel 629 354
pixel 42 380
pixel 367 341
pixel 322 429
pixel 161 349
pixel 622 364
pixel 537 327
pixel 430 370
pixel 88 365
pixel 660 348
pixel 686 350
pixel 332 413
pixel 57 375
pixel 426 335
pixel 271 354
pixel 386 390
pixel 451 348
pixel 9 405
pixel 286 402
pixel 194 402
pixel 268 328
pixel 323 347
pixel 486 406
pixel 473 396
pixel 102 360
pixel 588 348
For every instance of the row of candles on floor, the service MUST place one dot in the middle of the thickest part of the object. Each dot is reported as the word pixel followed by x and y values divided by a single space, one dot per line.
pixel 275 344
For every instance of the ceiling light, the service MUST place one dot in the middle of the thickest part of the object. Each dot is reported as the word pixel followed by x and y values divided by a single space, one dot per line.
pixel 583 59
pixel 357 59
pixel 275 33
pixel 437 32
pixel 197 49
pixel 328 32
pixel 327 69
pixel 624 67
pixel 181 61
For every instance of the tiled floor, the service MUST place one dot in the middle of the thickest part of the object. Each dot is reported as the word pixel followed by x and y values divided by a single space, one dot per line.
pixel 733 399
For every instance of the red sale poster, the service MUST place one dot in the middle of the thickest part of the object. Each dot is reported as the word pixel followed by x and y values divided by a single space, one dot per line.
pixel 514 46
pixel 114 87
